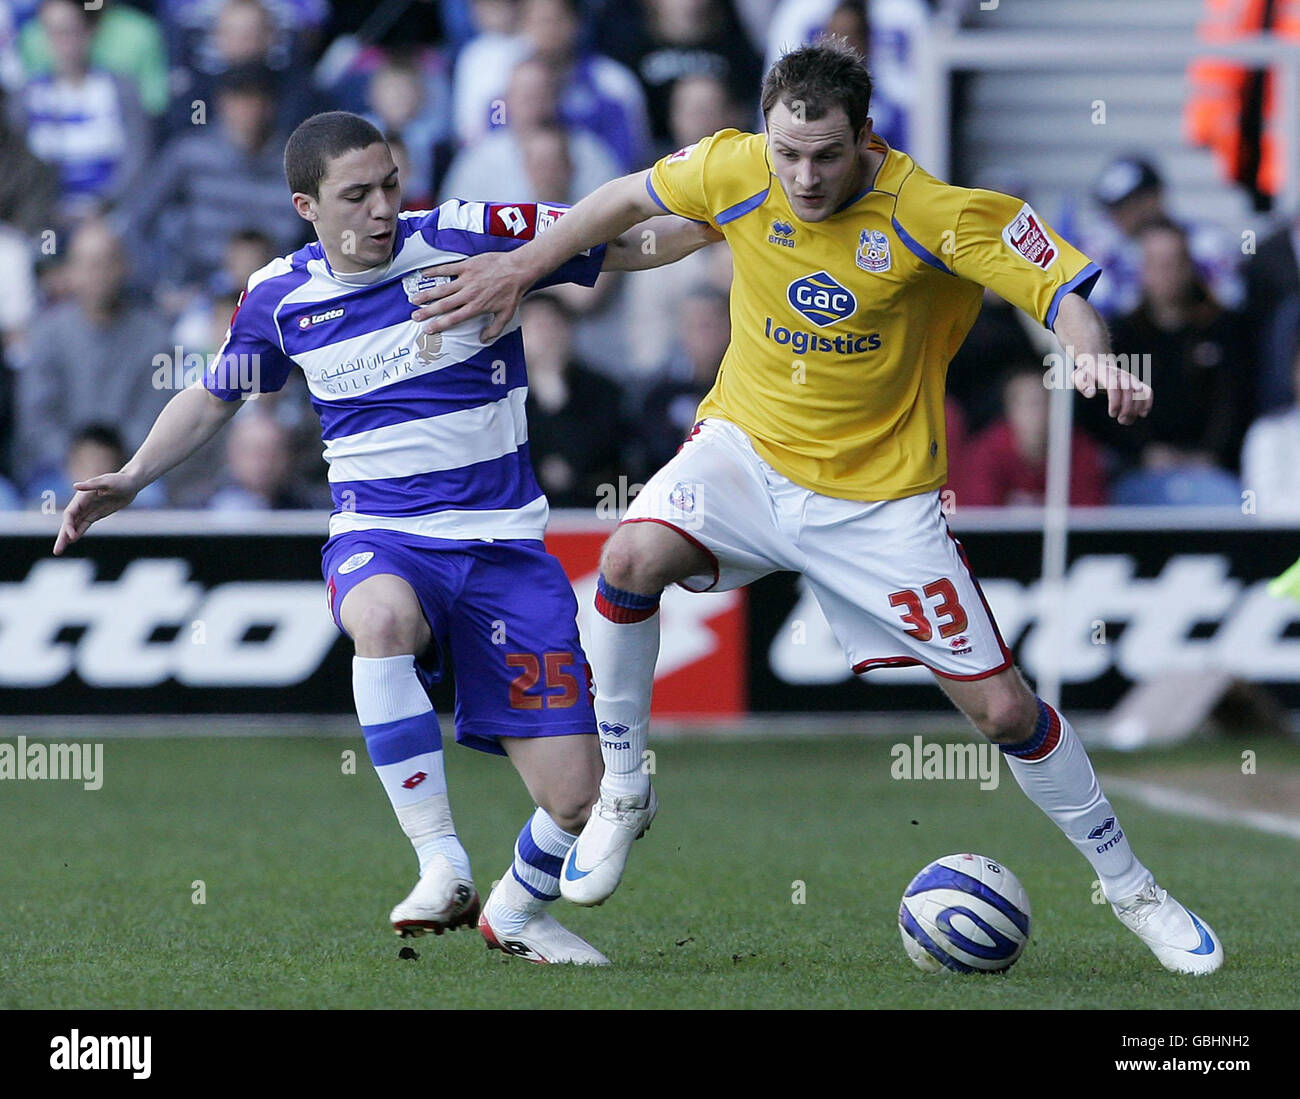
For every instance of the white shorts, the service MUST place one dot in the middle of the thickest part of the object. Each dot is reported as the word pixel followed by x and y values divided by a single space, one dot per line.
pixel 888 575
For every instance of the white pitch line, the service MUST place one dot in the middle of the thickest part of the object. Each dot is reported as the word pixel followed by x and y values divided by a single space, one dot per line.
pixel 1194 805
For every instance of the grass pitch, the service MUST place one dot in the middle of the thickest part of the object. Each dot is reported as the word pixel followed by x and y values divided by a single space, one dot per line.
pixel 297 863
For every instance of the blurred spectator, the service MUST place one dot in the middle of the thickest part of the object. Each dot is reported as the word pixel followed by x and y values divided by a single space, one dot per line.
pixel 1131 193
pixel 894 30
pixel 202 324
pixel 17 288
pixel 497 168
pixel 195 42
pixel 1270 458
pixel 1200 373
pixel 703 329
pixel 998 336
pixel 127 42
pixel 259 466
pixel 596 94
pixel 413 196
pixel 27 184
pixel 1006 463
pixel 242 33
pixel 476 83
pixel 85 121
pixel 698 106
pixel 214 182
pixel 399 101
pixel 98 448
pixel 89 359
pixel 1272 315
pixel 662 41
pixel 575 429
pixel 11 65
pixel 654 299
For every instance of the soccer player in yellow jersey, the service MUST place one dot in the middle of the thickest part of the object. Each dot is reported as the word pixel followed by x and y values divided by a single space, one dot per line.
pixel 820 449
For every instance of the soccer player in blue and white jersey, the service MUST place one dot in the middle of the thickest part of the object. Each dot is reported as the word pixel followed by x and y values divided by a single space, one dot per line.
pixel 435 544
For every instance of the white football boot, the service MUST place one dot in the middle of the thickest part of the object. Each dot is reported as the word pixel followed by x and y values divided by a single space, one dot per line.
pixel 1179 939
pixel 441 901
pixel 543 939
pixel 594 865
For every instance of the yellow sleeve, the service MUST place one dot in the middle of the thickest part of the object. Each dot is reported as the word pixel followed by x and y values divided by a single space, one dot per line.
pixel 1002 243
pixel 710 178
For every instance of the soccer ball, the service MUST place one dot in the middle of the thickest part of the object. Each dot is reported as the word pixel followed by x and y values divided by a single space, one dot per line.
pixel 966 913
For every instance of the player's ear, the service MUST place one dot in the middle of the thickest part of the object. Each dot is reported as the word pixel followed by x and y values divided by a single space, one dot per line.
pixel 305 205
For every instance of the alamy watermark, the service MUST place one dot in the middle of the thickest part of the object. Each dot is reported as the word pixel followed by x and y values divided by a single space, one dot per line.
pixel 1110 371
pixel 980 761
pixel 181 370
pixel 56 762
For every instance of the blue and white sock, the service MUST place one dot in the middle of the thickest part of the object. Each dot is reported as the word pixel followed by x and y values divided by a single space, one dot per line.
pixel 1053 769
pixel 533 880
pixel 404 741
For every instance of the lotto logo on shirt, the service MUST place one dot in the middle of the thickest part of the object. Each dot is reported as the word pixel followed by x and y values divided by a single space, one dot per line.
pixel 1027 236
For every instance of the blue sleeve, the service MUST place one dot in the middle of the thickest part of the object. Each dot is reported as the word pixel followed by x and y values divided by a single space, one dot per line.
pixel 250 361
pixel 474 227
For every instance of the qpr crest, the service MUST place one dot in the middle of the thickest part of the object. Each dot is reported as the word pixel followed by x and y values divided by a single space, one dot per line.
pixel 416 281
pixel 873 251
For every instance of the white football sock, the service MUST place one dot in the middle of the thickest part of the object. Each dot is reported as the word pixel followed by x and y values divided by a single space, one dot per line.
pixel 1053 769
pixel 404 741
pixel 622 646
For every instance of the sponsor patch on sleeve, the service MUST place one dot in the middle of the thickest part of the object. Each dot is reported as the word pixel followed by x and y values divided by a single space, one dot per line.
pixel 518 220
pixel 1027 236
pixel 681 154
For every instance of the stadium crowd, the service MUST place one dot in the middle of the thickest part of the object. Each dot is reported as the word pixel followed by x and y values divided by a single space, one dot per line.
pixel 142 184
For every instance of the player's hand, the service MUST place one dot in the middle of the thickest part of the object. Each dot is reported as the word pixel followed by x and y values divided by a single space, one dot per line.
pixel 1127 396
pixel 489 283
pixel 95 498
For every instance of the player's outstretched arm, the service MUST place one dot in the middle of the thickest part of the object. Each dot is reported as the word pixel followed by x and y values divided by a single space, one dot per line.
pixel 658 242
pixel 495 282
pixel 1081 329
pixel 188 421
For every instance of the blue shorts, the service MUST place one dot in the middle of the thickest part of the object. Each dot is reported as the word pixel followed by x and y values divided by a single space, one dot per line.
pixel 503 611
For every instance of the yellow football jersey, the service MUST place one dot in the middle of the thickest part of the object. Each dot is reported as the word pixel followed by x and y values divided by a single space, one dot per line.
pixel 842 329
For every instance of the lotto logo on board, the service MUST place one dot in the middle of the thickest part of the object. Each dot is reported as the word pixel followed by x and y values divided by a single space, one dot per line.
pixel 1027 236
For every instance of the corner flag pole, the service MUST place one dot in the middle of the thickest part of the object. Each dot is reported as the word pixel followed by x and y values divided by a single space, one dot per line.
pixel 1056 533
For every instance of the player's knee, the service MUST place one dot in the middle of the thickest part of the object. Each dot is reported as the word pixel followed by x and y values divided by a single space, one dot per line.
pixel 380 628
pixel 628 566
pixel 1007 717
pixel 569 799
pixel 570 808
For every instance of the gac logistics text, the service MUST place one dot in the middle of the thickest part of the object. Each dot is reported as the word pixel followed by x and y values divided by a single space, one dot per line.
pixel 1175 1041
pixel 809 341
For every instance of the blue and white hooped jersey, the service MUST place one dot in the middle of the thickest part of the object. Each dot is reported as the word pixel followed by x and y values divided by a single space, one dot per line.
pixel 424 433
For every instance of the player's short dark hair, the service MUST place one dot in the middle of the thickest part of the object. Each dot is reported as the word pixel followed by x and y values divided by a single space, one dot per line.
pixel 319 140
pixel 828 74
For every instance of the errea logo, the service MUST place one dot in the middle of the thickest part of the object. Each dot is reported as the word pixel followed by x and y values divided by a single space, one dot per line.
pixel 821 299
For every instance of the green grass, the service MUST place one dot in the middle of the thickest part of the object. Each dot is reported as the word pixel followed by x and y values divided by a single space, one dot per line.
pixel 301 862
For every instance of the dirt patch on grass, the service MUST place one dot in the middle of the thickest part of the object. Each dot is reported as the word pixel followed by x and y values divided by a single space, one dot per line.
pixel 1270 790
